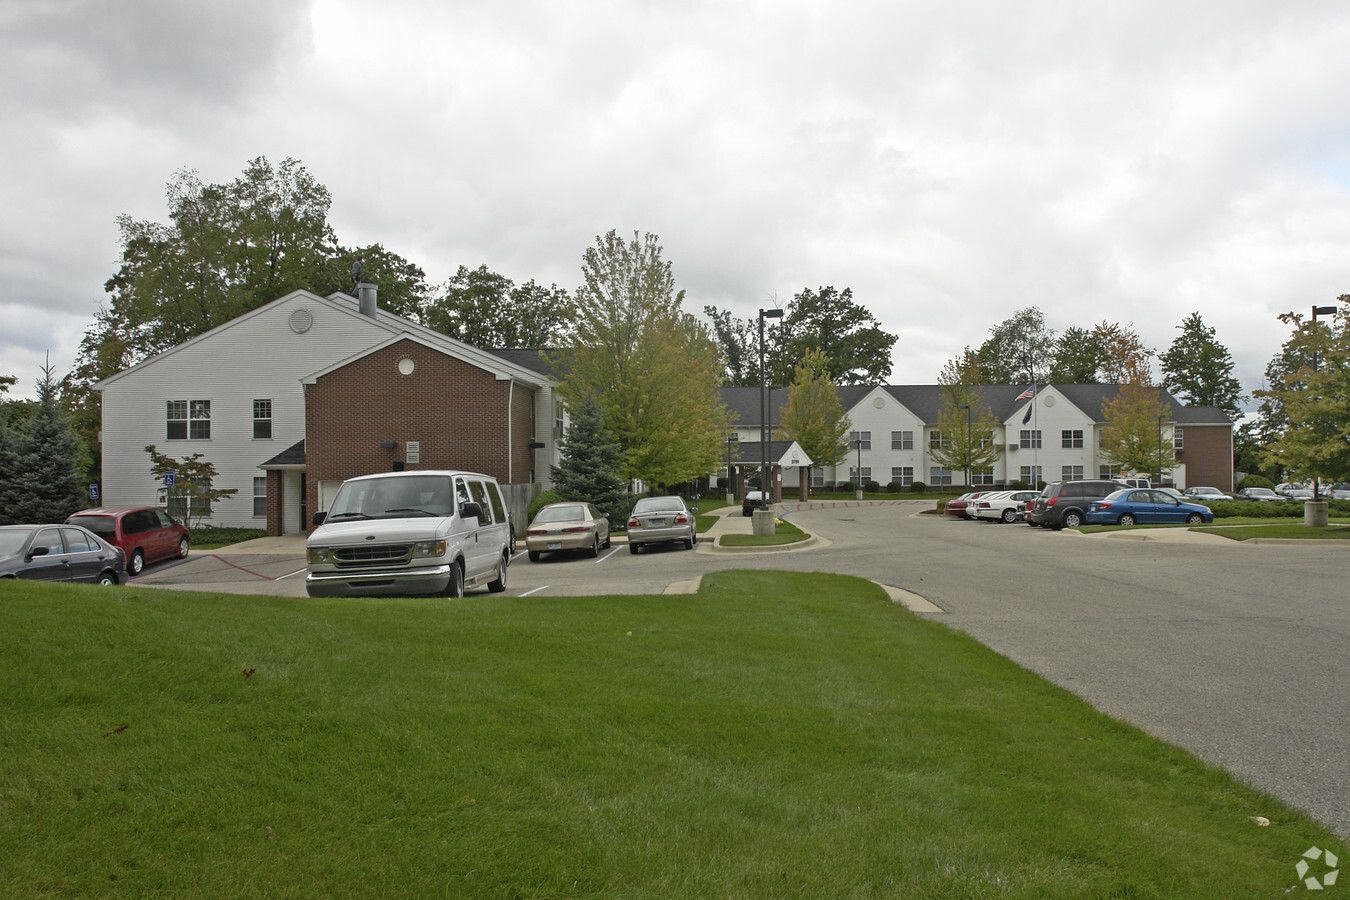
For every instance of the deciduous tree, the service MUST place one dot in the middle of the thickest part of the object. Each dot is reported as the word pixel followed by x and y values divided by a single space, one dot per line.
pixel 1124 357
pixel 1136 437
pixel 1199 370
pixel 857 349
pixel 1078 357
pixel 654 370
pixel 1019 350
pixel 965 422
pixel 486 309
pixel 193 493
pixel 1315 399
pixel 815 418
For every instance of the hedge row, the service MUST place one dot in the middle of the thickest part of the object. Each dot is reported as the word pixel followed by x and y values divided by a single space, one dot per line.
pixel 1227 509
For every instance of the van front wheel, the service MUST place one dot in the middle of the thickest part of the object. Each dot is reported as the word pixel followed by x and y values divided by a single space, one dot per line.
pixel 456 586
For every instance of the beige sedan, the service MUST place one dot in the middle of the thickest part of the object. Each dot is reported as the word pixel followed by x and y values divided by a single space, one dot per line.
pixel 567 526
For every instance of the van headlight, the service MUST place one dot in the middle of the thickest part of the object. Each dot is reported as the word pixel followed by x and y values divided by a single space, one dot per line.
pixel 319 555
pixel 425 549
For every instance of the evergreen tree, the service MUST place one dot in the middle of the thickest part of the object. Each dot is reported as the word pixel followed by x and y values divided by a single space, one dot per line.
pixel 590 462
pixel 10 487
pixel 47 464
pixel 1199 370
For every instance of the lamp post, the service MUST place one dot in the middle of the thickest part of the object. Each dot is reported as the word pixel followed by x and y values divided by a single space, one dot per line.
pixel 1161 416
pixel 857 443
pixel 732 437
pixel 763 416
pixel 970 451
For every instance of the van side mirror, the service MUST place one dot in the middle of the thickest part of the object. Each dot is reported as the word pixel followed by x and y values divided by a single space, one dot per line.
pixel 471 509
pixel 318 518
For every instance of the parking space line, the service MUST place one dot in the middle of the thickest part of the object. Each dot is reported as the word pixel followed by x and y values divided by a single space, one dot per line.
pixel 612 551
pixel 536 590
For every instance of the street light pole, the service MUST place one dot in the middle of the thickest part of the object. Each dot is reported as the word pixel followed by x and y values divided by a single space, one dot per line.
pixel 763 416
pixel 1161 416
pixel 1318 311
pixel 970 451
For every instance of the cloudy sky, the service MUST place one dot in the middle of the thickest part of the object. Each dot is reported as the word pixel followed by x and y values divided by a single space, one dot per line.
pixel 950 162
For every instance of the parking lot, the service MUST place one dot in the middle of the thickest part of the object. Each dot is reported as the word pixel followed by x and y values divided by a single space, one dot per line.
pixel 1235 651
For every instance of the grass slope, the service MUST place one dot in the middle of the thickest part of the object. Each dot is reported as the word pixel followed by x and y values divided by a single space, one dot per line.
pixel 776 735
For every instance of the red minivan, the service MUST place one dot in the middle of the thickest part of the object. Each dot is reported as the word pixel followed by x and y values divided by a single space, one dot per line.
pixel 146 534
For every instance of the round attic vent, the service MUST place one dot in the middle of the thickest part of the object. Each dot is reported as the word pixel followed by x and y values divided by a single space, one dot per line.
pixel 301 321
pixel 1050 401
pixel 878 402
pixel 406 366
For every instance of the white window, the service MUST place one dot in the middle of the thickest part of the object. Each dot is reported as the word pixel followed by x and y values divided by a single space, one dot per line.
pixel 902 475
pixel 982 475
pixel 1106 473
pixel 188 420
pixel 262 420
pixel 866 474
pixel 1071 473
pixel 1031 475
pixel 1178 443
pixel 902 440
pixel 260 496
pixel 1072 439
pixel 1031 440
pixel 936 441
pixel 860 440
pixel 817 477
pixel 938 475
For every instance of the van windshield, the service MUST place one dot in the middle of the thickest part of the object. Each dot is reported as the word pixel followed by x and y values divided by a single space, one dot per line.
pixel 394 497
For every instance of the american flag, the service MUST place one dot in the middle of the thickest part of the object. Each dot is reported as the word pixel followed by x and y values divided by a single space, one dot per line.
pixel 1026 395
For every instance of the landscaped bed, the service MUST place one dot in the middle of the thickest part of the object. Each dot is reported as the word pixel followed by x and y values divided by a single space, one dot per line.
pixel 774 735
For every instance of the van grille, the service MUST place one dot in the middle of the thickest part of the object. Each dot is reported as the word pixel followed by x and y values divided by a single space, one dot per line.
pixel 351 557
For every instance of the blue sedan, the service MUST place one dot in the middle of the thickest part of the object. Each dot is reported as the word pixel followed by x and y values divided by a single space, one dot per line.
pixel 1145 507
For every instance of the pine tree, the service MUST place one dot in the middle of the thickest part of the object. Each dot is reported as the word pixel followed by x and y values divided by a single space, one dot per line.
pixel 589 464
pixel 10 488
pixel 47 462
pixel 1199 370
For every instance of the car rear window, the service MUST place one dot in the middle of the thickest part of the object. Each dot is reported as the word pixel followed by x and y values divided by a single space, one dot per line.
pixel 560 514
pixel 657 504
pixel 103 526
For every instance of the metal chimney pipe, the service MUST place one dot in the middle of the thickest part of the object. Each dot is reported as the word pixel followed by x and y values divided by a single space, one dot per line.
pixel 365 298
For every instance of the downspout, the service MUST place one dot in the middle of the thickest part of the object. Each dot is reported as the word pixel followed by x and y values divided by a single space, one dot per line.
pixel 510 436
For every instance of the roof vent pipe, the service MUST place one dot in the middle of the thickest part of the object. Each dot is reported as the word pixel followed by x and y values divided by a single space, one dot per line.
pixel 365 299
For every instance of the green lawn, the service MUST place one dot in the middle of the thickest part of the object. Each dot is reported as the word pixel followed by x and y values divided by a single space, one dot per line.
pixel 1283 530
pixel 784 533
pixel 775 735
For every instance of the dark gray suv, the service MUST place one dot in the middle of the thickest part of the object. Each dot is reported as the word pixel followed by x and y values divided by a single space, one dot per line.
pixel 1064 504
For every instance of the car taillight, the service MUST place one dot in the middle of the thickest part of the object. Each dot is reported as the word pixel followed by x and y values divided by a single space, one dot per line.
pixel 681 519
pixel 633 523
pixel 535 531
pixel 576 528
pixel 1102 504
pixel 1050 502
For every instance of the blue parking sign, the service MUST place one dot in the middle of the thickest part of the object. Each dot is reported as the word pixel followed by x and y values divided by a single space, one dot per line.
pixel 93 491
pixel 168 479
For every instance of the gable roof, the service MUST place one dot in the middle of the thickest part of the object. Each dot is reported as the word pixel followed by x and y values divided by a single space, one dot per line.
pixel 925 401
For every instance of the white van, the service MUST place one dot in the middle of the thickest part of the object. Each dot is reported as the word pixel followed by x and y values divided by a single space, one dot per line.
pixel 396 533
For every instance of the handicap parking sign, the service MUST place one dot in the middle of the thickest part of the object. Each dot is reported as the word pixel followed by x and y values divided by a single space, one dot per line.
pixel 168 479
pixel 93 491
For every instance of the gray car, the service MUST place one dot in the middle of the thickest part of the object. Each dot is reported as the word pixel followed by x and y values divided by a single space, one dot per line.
pixel 660 520
pixel 59 553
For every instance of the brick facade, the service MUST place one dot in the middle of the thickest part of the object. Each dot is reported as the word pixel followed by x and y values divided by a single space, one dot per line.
pixel 1207 452
pixel 457 412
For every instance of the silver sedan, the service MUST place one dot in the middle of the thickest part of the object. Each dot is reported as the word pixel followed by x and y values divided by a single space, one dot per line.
pixel 660 520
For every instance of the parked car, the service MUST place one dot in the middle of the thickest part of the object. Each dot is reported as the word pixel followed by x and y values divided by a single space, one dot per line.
pixel 1001 506
pixel 660 520
pixel 753 500
pixel 1132 506
pixel 59 553
pixel 567 526
pixel 1064 504
pixel 1204 494
pixel 420 532
pixel 960 507
pixel 1259 495
pixel 146 534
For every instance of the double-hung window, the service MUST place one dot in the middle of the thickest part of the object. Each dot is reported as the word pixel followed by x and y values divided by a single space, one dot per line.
pixel 860 440
pixel 1072 440
pixel 902 475
pixel 1030 440
pixel 902 440
pixel 260 496
pixel 262 419
pixel 187 420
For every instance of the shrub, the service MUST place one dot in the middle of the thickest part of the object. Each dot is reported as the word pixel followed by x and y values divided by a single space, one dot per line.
pixel 894 487
pixel 918 487
pixel 873 487
pixel 1019 486
pixel 942 504
pixel 1252 481
pixel 544 499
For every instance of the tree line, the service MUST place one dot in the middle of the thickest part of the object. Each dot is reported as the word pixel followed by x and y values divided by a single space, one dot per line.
pixel 623 338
